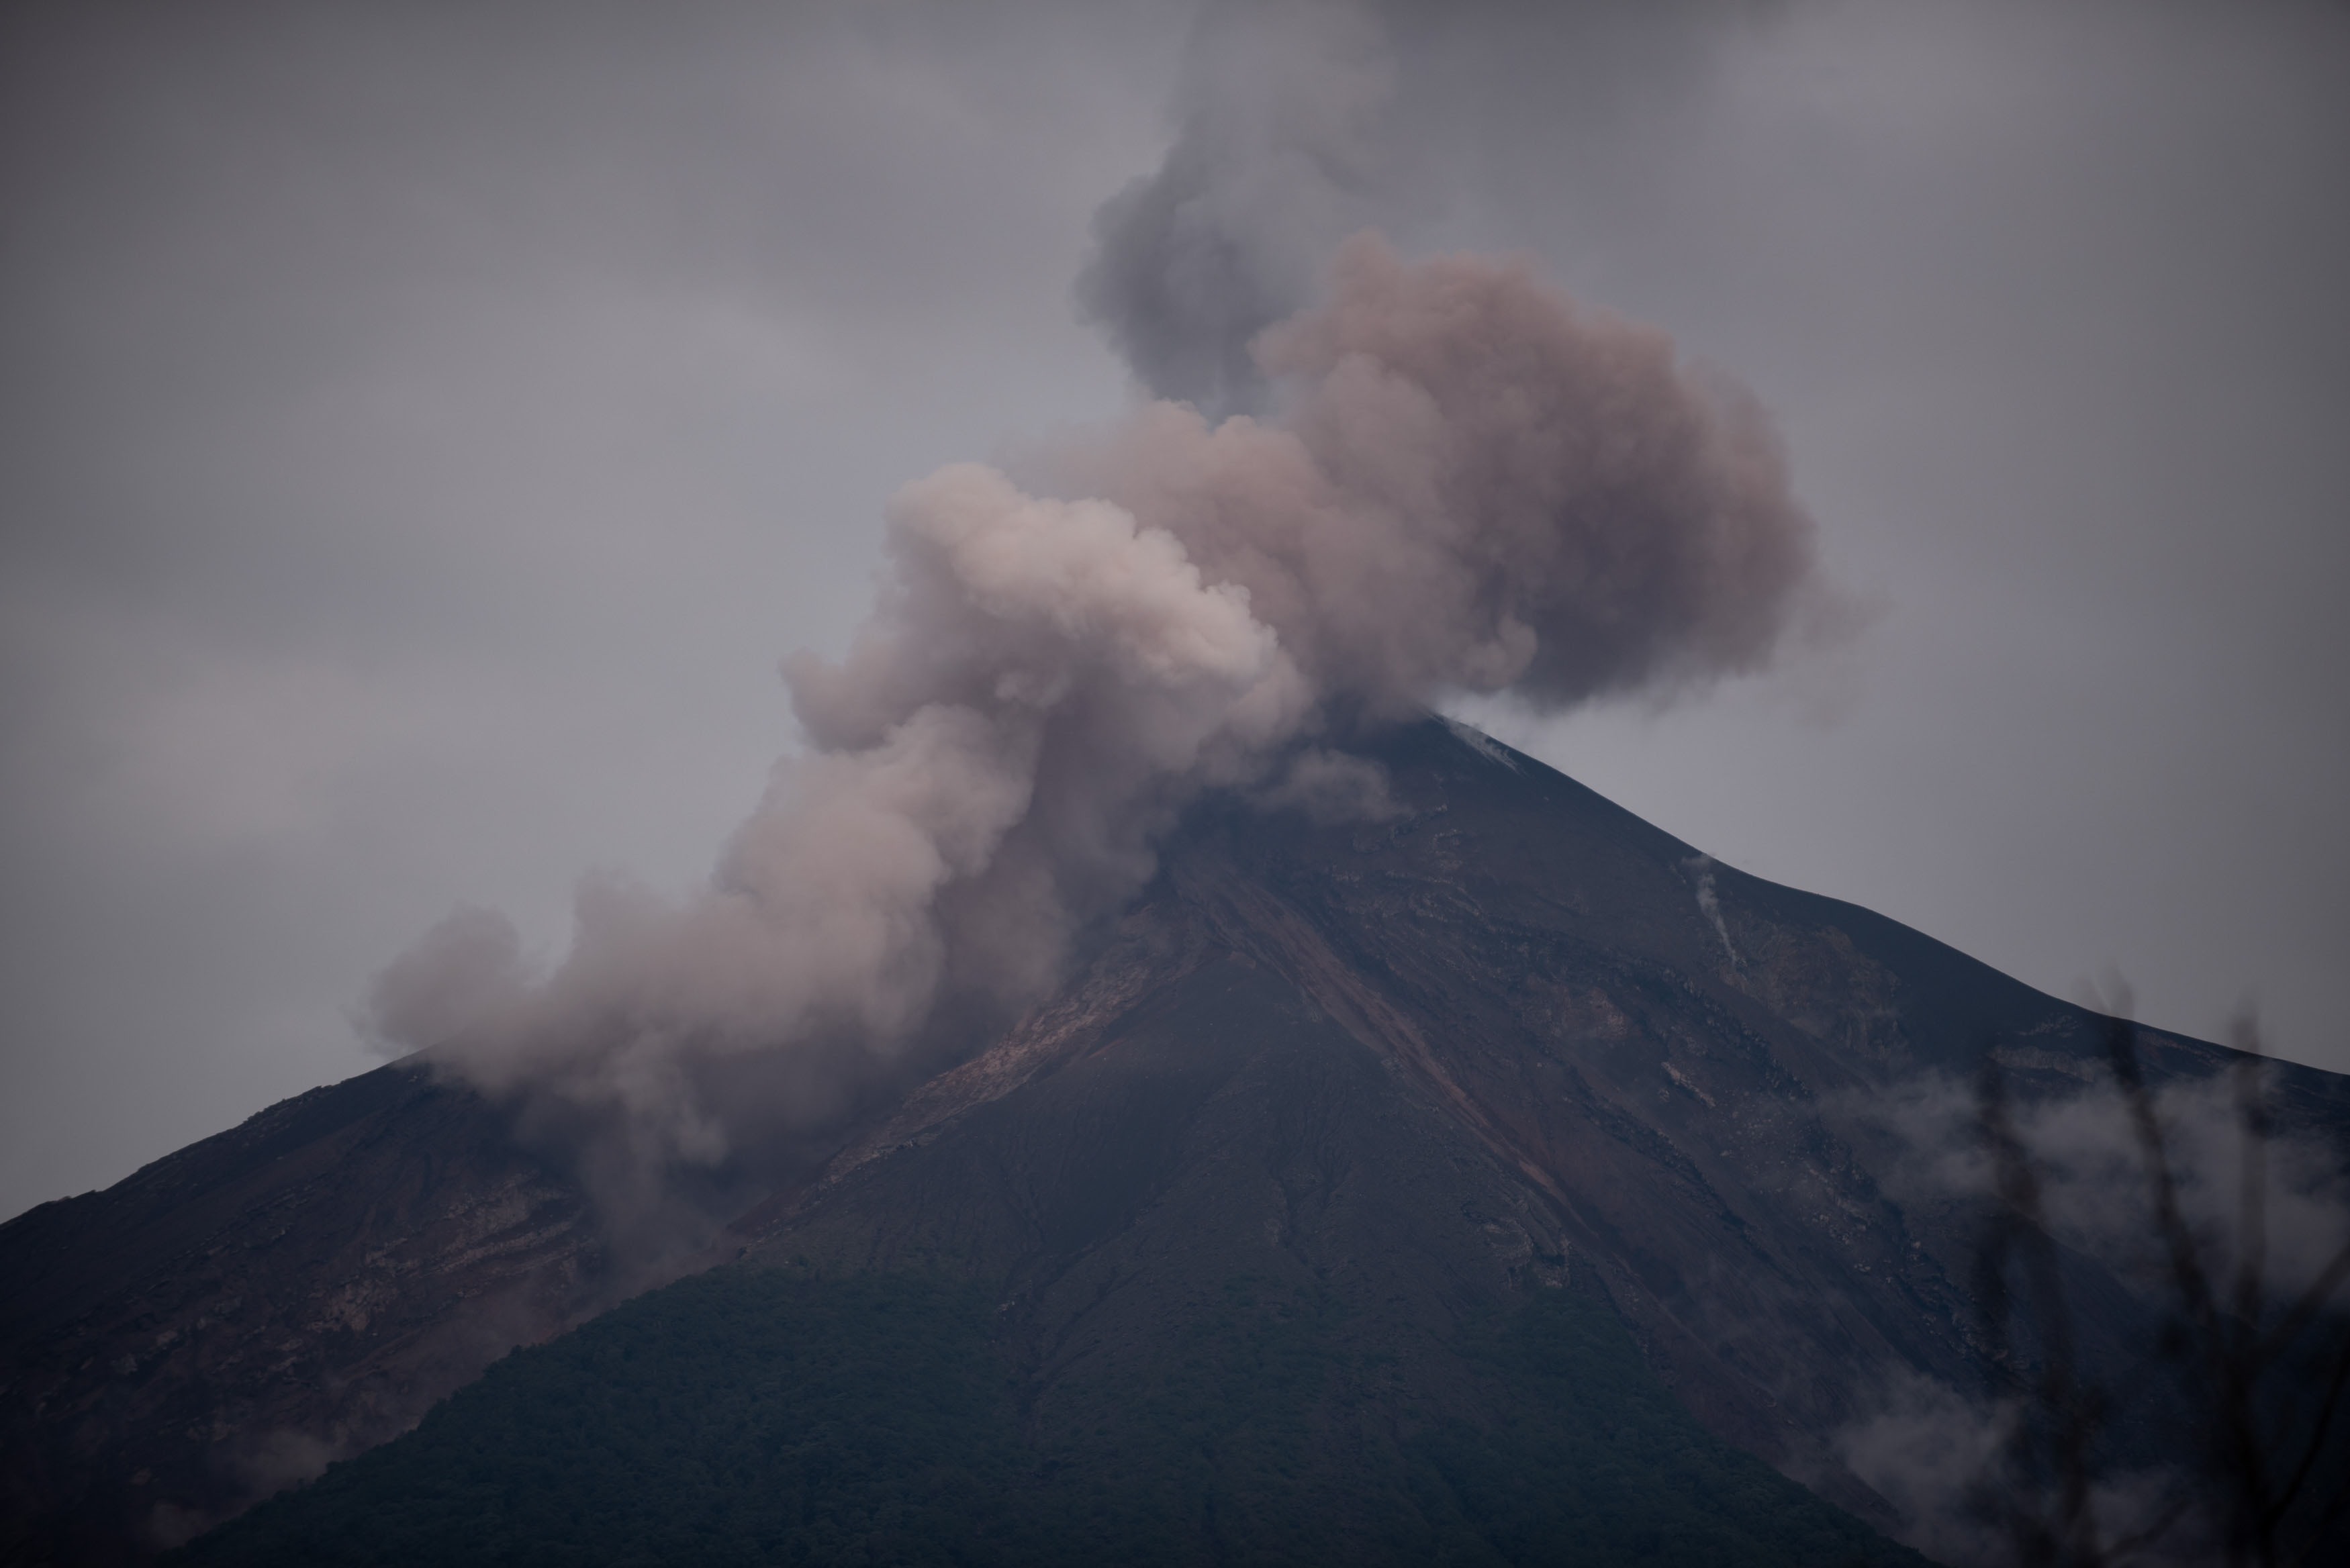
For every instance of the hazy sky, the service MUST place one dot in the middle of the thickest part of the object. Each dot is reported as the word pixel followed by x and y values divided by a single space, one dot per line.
pixel 423 429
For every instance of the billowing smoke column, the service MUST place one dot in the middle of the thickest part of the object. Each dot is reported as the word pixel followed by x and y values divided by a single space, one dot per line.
pixel 1454 480
pixel 1471 485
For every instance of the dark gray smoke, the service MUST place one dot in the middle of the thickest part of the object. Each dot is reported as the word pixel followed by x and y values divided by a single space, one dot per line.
pixel 1277 156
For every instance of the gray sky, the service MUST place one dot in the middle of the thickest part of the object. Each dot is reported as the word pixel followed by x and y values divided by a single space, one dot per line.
pixel 423 429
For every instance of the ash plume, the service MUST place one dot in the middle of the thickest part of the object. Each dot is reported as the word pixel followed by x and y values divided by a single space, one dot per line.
pixel 1279 153
pixel 1474 484
pixel 1469 484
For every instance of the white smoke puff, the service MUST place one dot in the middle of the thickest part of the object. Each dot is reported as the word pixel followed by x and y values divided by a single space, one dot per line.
pixel 1140 681
pixel 1005 602
pixel 1025 645
pixel 1929 1452
pixel 2095 1184
pixel 1700 869
pixel 1332 787
pixel 1937 1456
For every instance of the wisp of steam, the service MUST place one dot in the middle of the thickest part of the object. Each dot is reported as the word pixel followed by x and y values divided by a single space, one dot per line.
pixel 1456 480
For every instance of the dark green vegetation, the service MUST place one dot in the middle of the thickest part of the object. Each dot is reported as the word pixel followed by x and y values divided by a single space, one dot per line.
pixel 753 1416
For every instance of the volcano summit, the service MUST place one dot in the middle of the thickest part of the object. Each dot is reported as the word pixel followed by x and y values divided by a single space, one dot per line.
pixel 1470 1177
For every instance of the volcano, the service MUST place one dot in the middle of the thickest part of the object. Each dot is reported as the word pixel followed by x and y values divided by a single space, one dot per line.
pixel 1495 1176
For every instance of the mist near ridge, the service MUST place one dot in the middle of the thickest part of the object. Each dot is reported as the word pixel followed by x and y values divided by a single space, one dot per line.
pixel 2264 1204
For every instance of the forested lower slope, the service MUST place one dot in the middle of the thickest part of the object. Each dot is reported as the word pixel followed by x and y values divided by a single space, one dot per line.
pixel 768 1416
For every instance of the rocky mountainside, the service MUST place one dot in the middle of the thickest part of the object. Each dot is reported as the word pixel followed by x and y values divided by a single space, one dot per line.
pixel 235 1315
pixel 1390 1078
pixel 1513 1036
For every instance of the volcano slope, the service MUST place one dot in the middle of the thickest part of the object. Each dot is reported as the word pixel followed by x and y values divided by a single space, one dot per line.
pixel 1473 1183
pixel 299 1289
pixel 1512 1039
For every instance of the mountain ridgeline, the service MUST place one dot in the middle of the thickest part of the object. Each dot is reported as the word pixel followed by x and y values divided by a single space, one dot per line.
pixel 1498 1181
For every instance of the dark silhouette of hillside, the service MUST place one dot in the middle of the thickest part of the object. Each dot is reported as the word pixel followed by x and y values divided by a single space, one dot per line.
pixel 1511 1050
pixel 770 1416
pixel 235 1316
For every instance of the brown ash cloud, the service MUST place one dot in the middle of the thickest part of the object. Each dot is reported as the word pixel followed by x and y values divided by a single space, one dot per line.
pixel 1466 484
